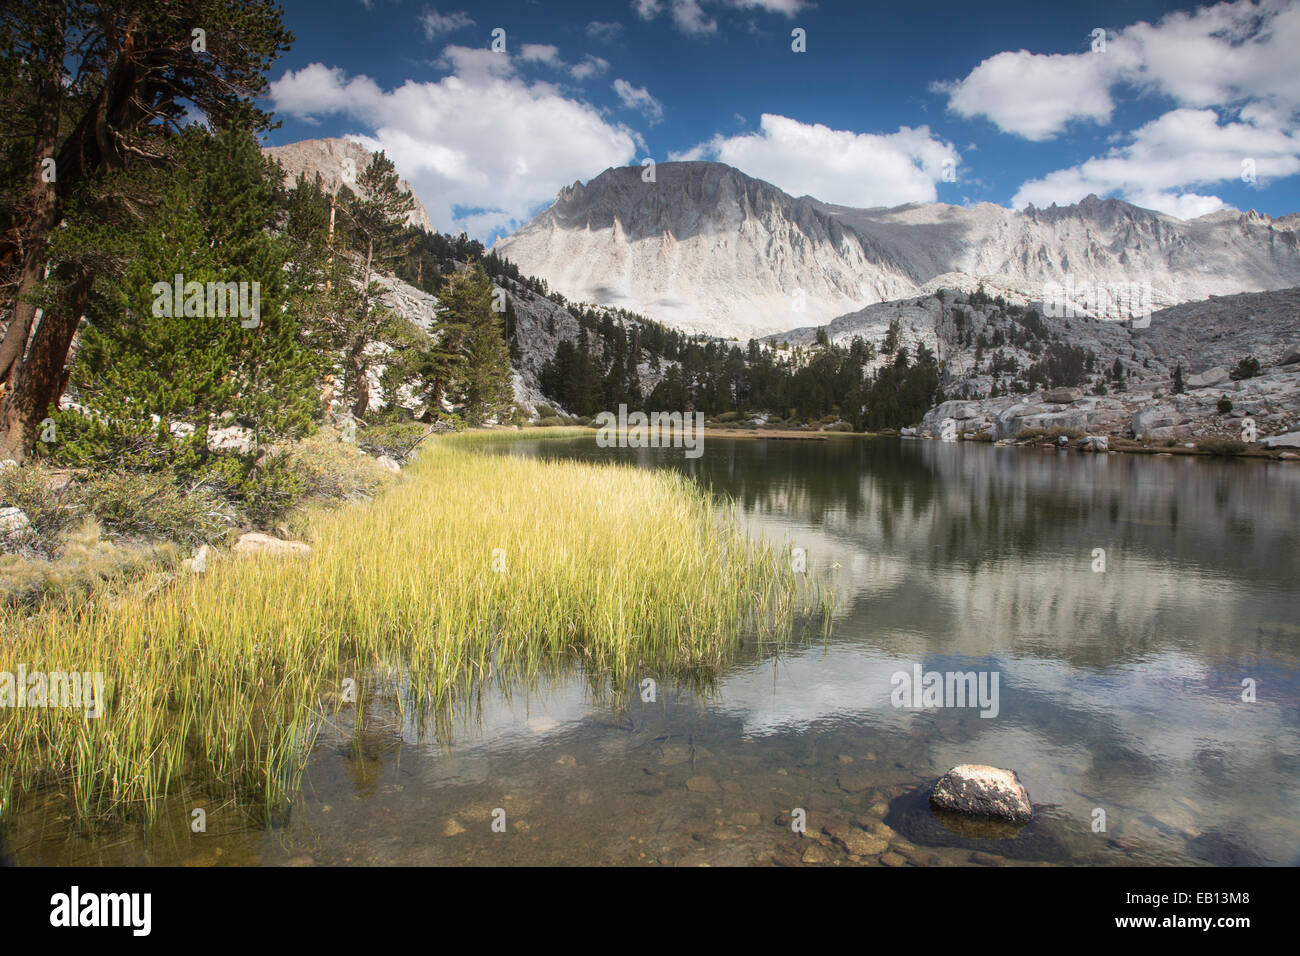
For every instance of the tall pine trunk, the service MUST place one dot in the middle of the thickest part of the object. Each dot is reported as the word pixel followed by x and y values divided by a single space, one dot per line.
pixel 27 374
pixel 357 371
pixel 39 377
pixel 357 357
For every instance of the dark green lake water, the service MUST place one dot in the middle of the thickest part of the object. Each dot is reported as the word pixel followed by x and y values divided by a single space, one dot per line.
pixel 1118 691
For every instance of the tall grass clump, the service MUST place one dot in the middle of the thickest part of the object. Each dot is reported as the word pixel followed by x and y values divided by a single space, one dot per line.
pixel 472 565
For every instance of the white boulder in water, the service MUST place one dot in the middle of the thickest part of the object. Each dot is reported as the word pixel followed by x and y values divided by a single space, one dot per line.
pixel 985 792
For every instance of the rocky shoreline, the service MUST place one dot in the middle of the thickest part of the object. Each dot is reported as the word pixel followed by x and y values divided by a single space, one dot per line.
pixel 1213 414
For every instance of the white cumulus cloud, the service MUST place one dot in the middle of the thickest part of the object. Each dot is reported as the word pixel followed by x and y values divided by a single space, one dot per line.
pixel 639 98
pixel 691 17
pixel 1230 53
pixel 1224 67
pixel 836 166
pixel 549 56
pixel 1036 95
pixel 589 67
pixel 436 23
pixel 647 9
pixel 1183 148
pixel 604 30
pixel 539 52
pixel 788 7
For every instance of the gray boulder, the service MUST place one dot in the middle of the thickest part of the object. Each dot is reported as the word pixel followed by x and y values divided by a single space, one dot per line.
pixel 1008 422
pixel 1106 418
pixel 1159 416
pixel 199 563
pixel 257 543
pixel 233 438
pixel 1062 396
pixel 1069 418
pixel 1095 443
pixel 12 521
pixel 984 792
pixel 1211 376
pixel 1168 432
pixel 1289 440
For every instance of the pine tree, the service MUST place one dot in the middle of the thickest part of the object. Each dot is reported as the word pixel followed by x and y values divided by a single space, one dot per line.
pixel 484 376
pixel 1117 373
pixel 147 371
pixel 892 338
pixel 377 234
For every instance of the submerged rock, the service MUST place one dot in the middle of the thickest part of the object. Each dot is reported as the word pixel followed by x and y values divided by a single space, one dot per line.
pixel 985 792
pixel 860 843
pixel 815 854
pixel 855 782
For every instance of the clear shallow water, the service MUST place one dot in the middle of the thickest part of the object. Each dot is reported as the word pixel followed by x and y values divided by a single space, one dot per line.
pixel 1118 691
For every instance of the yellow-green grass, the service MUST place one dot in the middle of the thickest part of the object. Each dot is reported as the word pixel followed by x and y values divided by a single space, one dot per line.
pixel 473 567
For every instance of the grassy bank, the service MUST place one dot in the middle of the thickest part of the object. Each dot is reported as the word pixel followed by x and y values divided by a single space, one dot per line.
pixel 471 568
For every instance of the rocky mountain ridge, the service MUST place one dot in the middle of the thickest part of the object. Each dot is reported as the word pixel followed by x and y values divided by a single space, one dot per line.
pixel 706 248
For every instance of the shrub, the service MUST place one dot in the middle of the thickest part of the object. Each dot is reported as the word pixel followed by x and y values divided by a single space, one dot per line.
pixel 1221 446
pixel 1046 434
pixel 1225 405
pixel 264 489
pixel 1246 368
pixel 150 506
pixel 333 470
pixel 397 441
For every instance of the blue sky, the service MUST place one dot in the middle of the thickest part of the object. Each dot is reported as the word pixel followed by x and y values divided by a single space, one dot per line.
pixel 1182 108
